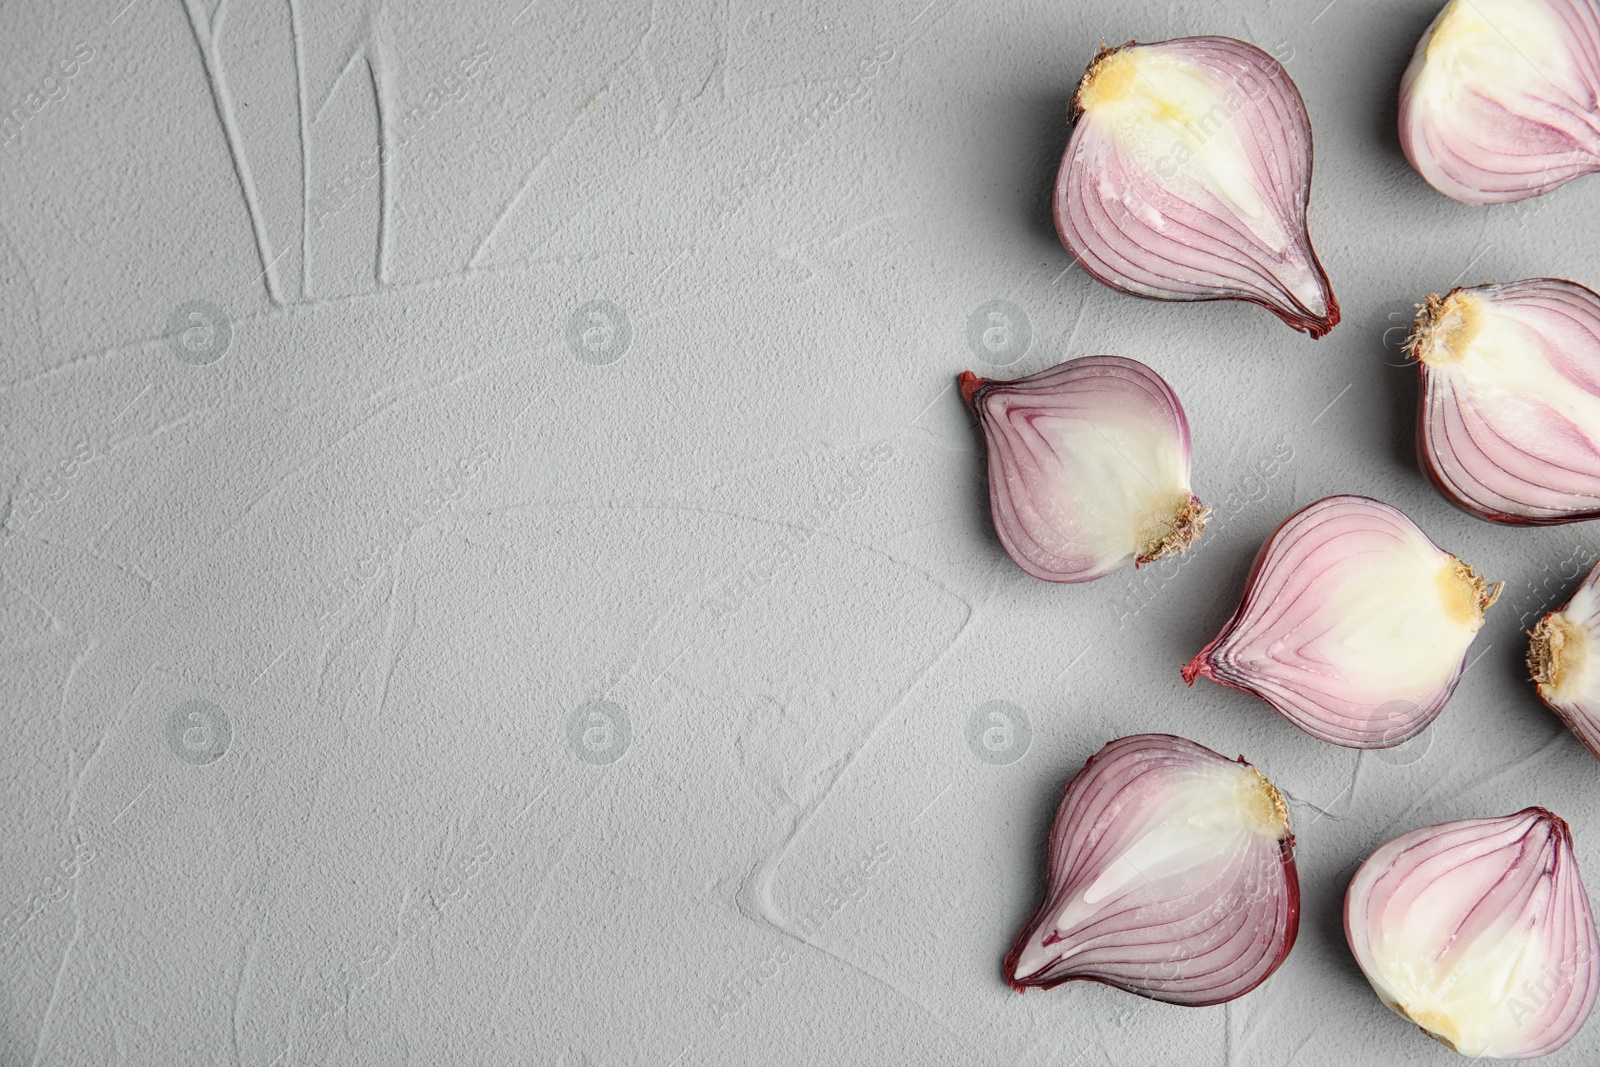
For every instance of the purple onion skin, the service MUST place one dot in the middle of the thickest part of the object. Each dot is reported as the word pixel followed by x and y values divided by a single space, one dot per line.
pixel 1288 107
pixel 1433 416
pixel 1061 836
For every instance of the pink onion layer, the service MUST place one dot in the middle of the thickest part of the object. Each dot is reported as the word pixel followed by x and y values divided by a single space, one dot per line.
pixel 1501 101
pixel 1088 467
pixel 1508 425
pixel 1354 625
pixel 1160 202
pixel 1171 875
pixel 1480 932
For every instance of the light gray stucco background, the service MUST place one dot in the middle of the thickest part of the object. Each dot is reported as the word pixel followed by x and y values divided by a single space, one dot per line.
pixel 570 530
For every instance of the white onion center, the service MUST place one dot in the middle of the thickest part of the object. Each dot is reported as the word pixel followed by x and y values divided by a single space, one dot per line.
pixel 1489 46
pixel 1477 991
pixel 1119 485
pixel 1399 620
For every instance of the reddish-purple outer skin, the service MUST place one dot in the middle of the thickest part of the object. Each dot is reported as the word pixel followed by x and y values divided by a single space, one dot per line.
pixel 1448 491
pixel 1291 881
pixel 1314 327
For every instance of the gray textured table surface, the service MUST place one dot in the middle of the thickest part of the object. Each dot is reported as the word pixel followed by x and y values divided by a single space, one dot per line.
pixel 568 527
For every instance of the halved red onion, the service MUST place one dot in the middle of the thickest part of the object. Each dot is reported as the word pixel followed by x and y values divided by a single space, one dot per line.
pixel 1564 661
pixel 1171 875
pixel 1508 427
pixel 1502 98
pixel 1088 467
pixel 1188 177
pixel 1353 625
pixel 1480 932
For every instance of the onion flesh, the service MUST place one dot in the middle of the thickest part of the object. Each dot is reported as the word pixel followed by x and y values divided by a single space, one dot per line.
pixel 1188 177
pixel 1501 101
pixel 1480 932
pixel 1354 625
pixel 1171 875
pixel 1509 422
pixel 1088 467
pixel 1564 661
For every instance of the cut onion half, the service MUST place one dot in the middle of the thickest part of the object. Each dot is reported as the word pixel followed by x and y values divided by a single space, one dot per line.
pixel 1088 467
pixel 1480 932
pixel 1501 101
pixel 1354 625
pixel 1188 177
pixel 1509 421
pixel 1170 874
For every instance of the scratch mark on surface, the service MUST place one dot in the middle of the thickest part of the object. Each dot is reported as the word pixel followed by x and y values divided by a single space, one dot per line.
pixel 222 101
pixel 271 665
pixel 380 266
pixel 929 806
pixel 355 54
pixel 297 38
pixel 55 989
pixel 524 812
pixel 1074 663
pixel 516 198
pixel 566 134
pixel 124 11
pixel 948 386
pixel 132 802
pixel 1332 402
pixel 1077 323
pixel 129 405
pixel 914 37
pixel 668 268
